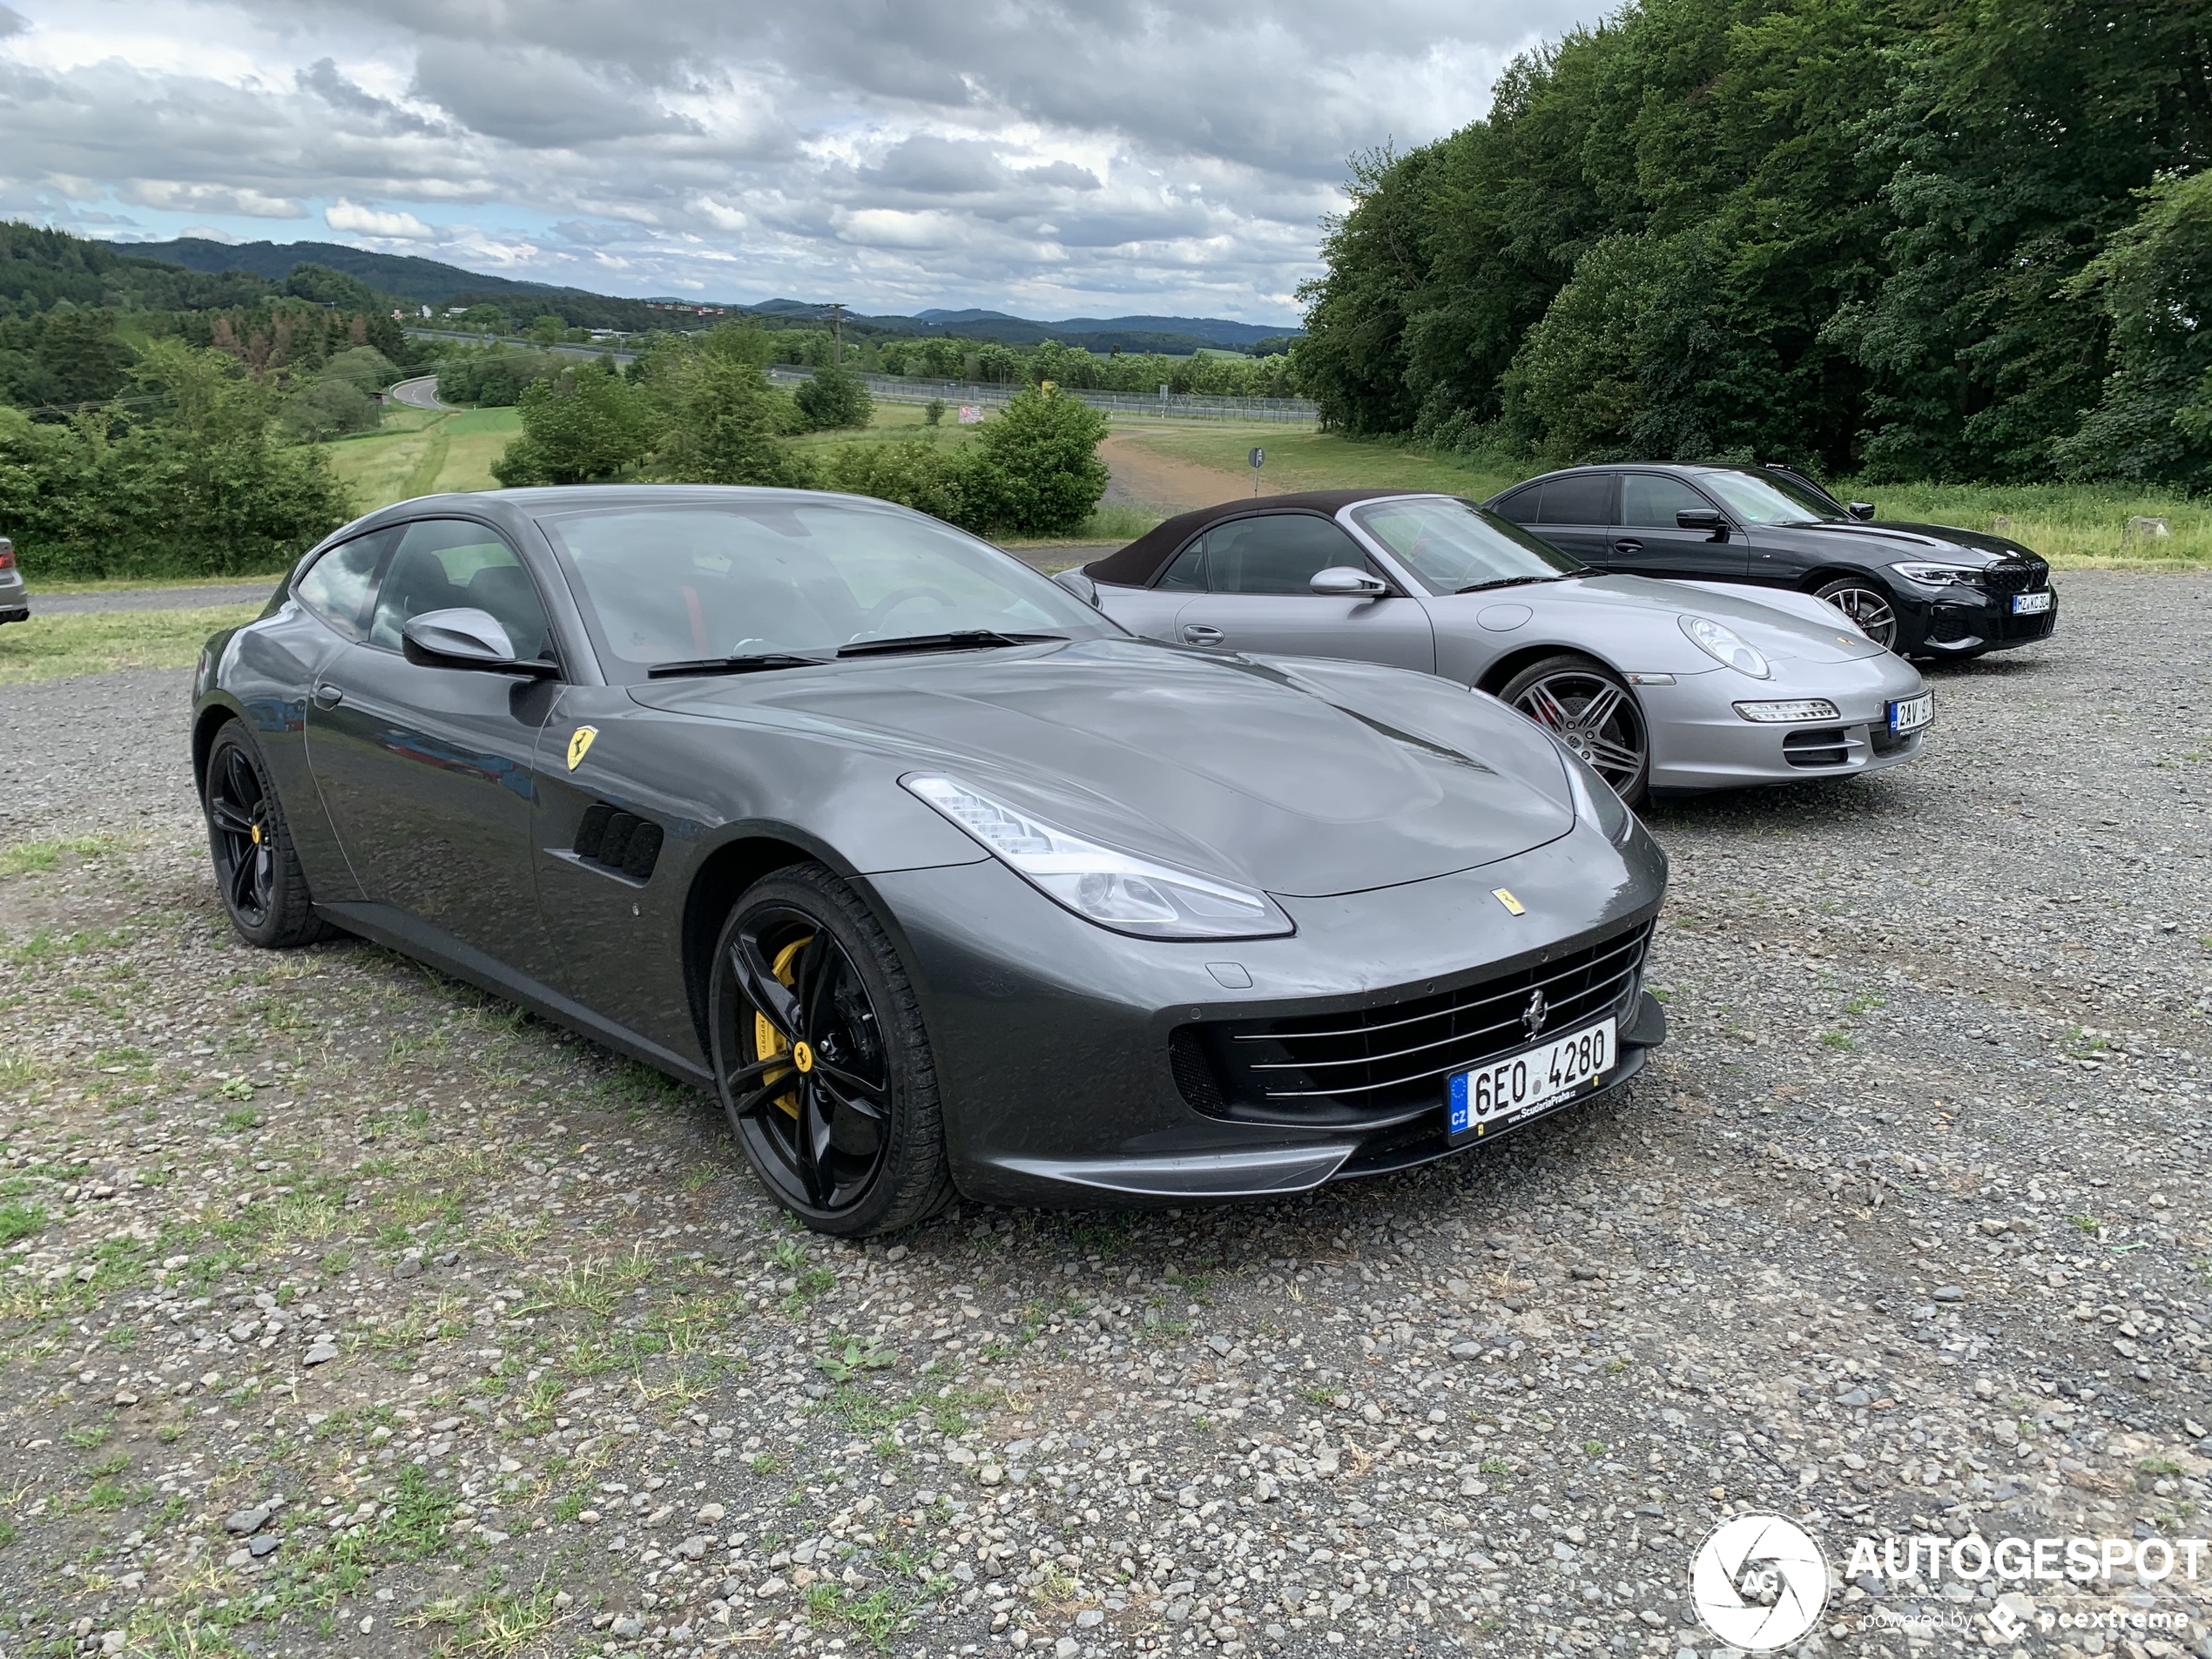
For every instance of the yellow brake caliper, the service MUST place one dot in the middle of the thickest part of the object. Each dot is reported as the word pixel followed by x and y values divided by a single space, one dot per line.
pixel 767 1041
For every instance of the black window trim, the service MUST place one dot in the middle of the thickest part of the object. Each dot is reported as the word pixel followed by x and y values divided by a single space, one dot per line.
pixel 360 637
pixel 1349 530
pixel 1619 496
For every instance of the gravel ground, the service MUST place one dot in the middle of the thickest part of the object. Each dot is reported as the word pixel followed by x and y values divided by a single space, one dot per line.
pixel 344 1311
pixel 233 593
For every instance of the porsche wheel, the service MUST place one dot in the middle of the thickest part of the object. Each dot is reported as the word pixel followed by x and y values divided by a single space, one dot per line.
pixel 1866 604
pixel 264 891
pixel 1589 708
pixel 821 1059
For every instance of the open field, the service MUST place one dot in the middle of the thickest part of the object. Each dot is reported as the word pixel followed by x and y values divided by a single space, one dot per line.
pixel 47 648
pixel 2076 527
pixel 345 1310
pixel 422 453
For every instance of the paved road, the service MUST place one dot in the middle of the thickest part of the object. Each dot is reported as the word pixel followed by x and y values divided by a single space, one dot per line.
pixel 420 393
pixel 234 593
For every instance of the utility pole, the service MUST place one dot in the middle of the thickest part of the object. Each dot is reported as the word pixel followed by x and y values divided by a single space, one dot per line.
pixel 837 332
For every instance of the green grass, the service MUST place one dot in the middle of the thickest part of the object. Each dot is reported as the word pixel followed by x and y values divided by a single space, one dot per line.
pixel 2075 526
pixel 101 641
pixel 423 454
pixel 27 858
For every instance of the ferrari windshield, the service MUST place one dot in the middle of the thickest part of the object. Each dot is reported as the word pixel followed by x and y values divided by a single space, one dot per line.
pixel 677 582
pixel 1455 547
pixel 1767 498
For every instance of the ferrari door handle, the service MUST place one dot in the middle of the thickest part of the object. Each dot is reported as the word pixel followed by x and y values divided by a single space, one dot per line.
pixel 1628 546
pixel 1198 634
pixel 327 696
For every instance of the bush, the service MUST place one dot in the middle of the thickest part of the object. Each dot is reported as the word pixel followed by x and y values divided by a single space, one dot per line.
pixel 1036 464
pixel 327 409
pixel 720 419
pixel 833 399
pixel 927 477
pixel 493 378
pixel 587 424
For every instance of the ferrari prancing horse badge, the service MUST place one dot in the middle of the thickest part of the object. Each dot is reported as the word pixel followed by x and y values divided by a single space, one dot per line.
pixel 580 744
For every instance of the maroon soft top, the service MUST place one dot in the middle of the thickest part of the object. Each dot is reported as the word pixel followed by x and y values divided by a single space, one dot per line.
pixel 1135 565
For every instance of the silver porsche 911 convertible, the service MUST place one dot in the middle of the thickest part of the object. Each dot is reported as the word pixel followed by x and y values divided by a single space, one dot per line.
pixel 1661 685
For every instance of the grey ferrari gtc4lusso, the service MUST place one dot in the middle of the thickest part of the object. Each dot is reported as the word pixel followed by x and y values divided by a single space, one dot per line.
pixel 938 877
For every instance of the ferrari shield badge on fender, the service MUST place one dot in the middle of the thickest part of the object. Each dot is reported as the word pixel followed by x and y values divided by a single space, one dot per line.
pixel 1504 896
pixel 580 744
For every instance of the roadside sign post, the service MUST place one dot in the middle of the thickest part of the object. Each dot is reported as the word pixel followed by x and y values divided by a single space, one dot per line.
pixel 1258 458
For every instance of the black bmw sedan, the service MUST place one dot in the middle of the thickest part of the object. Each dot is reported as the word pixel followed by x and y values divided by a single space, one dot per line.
pixel 938 878
pixel 1924 590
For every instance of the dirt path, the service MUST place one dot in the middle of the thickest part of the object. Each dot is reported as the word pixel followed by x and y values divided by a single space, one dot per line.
pixel 1144 477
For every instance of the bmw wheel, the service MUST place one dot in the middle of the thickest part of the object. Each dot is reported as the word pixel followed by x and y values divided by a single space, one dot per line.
pixel 1866 604
pixel 1589 708
pixel 821 1059
pixel 263 889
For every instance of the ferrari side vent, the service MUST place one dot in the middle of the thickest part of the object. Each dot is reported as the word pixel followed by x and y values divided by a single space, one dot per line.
pixel 618 840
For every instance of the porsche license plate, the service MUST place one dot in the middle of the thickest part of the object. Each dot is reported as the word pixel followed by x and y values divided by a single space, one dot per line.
pixel 2031 605
pixel 1911 713
pixel 1494 1095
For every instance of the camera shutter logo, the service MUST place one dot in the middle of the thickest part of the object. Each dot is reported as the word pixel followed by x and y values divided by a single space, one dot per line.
pixel 1759 1582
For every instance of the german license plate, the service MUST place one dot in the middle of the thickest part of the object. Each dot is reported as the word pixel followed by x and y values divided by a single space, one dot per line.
pixel 1911 713
pixel 1493 1095
pixel 2031 605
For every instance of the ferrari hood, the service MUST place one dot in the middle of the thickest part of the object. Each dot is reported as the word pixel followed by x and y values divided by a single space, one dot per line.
pixel 1303 778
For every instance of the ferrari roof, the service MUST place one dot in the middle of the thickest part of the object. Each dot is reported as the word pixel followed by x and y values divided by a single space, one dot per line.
pixel 1135 566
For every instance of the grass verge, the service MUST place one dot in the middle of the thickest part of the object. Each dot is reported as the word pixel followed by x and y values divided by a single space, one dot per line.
pixel 101 641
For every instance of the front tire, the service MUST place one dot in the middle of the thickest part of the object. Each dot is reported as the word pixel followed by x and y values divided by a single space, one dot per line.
pixel 821 1059
pixel 1867 603
pixel 1589 708
pixel 264 891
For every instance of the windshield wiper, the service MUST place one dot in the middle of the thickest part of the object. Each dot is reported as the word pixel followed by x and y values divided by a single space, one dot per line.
pixel 1513 581
pixel 968 639
pixel 756 663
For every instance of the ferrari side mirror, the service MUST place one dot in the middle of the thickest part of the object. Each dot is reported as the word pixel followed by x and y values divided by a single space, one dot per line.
pixel 1862 510
pixel 465 638
pixel 1346 582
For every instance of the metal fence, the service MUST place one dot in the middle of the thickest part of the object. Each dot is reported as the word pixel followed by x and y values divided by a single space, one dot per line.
pixel 979 396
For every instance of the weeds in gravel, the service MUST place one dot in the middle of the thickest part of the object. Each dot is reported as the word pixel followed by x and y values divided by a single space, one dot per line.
pixel 20 1221
pixel 593 1286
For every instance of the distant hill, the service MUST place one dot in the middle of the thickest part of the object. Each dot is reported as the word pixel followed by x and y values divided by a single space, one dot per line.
pixel 399 274
pixel 1176 337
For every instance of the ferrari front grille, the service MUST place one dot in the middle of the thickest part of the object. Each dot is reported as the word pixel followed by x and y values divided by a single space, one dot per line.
pixel 1352 1066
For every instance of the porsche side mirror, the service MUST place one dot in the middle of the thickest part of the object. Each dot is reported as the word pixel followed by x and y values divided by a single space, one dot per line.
pixel 1081 586
pixel 1703 518
pixel 1346 581
pixel 465 638
pixel 1861 510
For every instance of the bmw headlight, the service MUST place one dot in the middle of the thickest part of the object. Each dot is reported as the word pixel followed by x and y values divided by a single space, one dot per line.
pixel 1725 646
pixel 1115 889
pixel 1936 575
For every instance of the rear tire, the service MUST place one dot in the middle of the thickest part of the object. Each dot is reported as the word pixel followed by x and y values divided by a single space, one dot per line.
pixel 821 1059
pixel 264 891
pixel 1590 709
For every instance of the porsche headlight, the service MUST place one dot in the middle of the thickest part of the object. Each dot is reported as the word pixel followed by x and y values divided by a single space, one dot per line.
pixel 1115 889
pixel 1725 646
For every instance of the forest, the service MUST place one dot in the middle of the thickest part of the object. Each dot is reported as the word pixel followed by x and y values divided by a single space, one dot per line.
pixel 1945 240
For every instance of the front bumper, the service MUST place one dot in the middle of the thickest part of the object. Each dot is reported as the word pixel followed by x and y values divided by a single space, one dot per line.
pixel 1055 1038
pixel 1962 621
pixel 1699 741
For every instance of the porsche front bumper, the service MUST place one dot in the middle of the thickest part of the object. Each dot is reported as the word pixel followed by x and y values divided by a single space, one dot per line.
pixel 1699 741
pixel 1056 1043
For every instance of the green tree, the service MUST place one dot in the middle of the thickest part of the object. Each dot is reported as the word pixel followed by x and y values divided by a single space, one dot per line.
pixel 1034 468
pixel 586 423
pixel 546 330
pixel 78 357
pixel 720 421
pixel 834 398
pixel 328 287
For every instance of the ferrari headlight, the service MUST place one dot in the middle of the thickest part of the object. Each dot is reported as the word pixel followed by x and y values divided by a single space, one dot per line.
pixel 1115 889
pixel 1936 576
pixel 1725 646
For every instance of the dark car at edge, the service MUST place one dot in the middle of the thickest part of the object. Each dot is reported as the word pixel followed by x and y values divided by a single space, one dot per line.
pixel 941 880
pixel 1926 591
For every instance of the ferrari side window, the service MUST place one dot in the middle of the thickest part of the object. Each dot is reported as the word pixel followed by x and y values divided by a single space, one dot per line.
pixel 1276 553
pixel 446 563
pixel 336 586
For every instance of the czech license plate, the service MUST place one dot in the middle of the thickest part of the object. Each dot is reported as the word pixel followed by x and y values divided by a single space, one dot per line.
pixel 1494 1095
pixel 1911 713
pixel 2031 605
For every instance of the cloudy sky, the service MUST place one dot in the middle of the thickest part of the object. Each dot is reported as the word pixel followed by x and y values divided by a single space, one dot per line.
pixel 1094 157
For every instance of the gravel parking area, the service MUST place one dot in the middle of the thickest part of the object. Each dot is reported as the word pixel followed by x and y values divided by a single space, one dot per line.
pixel 229 593
pixel 343 1310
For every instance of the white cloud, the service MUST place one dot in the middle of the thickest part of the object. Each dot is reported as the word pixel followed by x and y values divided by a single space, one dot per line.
pixel 1120 155
pixel 342 215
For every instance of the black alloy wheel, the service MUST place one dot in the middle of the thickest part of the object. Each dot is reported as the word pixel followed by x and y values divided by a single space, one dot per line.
pixel 1589 708
pixel 1867 604
pixel 821 1059
pixel 264 891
